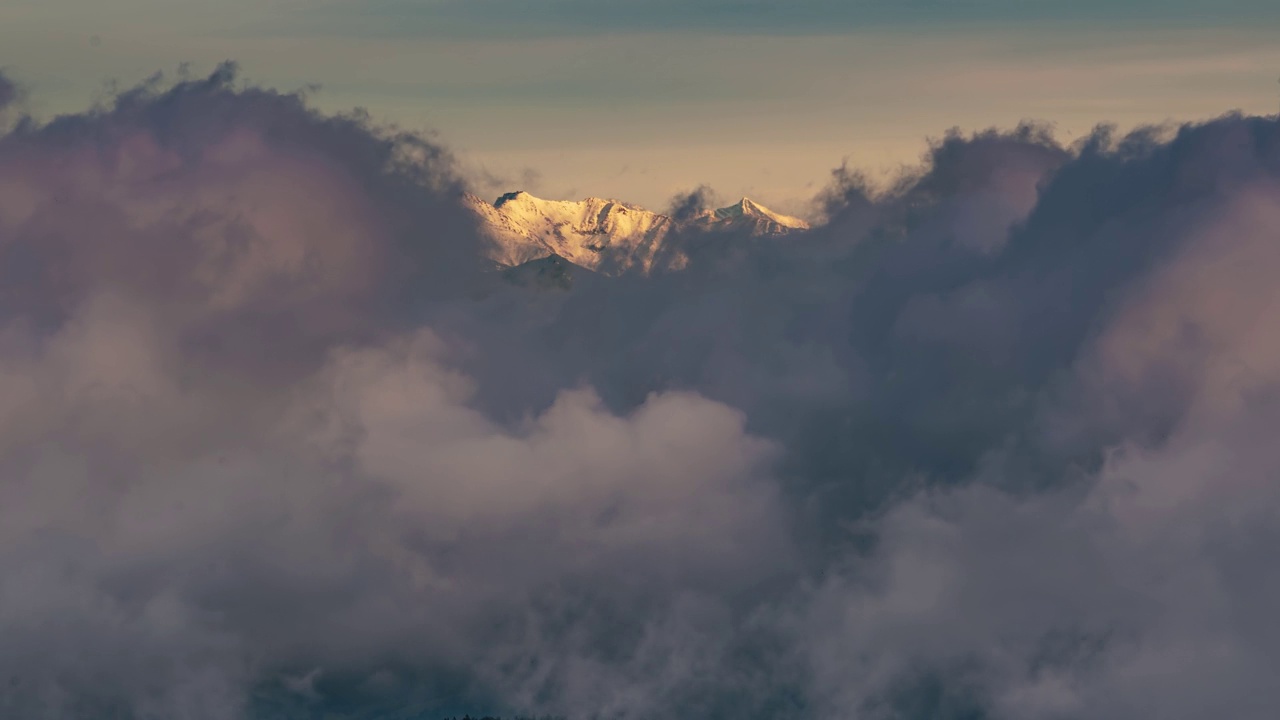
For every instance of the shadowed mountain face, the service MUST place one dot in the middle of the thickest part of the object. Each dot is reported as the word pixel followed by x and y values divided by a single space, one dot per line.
pixel 608 236
pixel 277 441
pixel 551 273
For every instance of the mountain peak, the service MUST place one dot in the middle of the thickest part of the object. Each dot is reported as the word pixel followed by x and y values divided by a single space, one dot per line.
pixel 746 208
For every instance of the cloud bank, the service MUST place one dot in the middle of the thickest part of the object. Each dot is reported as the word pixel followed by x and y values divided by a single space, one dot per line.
pixel 994 443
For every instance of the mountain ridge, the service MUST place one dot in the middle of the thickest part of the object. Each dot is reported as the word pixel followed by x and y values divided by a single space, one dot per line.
pixel 606 235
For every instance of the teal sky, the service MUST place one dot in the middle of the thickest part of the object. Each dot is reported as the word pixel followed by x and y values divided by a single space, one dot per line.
pixel 641 99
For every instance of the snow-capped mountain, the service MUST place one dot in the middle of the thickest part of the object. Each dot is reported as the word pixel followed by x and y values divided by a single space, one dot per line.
pixel 606 236
pixel 752 216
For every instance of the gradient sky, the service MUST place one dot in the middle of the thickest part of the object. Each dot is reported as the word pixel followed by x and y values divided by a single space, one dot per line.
pixel 642 99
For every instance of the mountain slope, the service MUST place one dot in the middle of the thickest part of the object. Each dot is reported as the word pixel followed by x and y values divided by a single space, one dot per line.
pixel 750 215
pixel 606 236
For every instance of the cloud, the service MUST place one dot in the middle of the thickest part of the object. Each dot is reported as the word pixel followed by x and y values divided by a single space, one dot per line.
pixel 1132 588
pixel 994 441
pixel 686 205
pixel 233 457
pixel 8 92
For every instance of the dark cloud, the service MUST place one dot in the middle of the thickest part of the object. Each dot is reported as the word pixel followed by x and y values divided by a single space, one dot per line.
pixel 995 442
pixel 8 92
pixel 686 205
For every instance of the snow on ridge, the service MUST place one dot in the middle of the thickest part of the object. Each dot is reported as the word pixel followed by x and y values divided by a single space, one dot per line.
pixel 604 235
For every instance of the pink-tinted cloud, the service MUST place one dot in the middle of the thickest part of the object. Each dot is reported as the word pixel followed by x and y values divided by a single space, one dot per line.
pixel 995 442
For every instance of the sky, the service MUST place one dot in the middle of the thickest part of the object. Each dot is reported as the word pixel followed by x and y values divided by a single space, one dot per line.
pixel 641 100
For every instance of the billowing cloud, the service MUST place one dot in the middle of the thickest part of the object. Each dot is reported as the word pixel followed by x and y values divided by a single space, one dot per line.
pixel 1134 584
pixel 686 205
pixel 995 442
pixel 219 407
